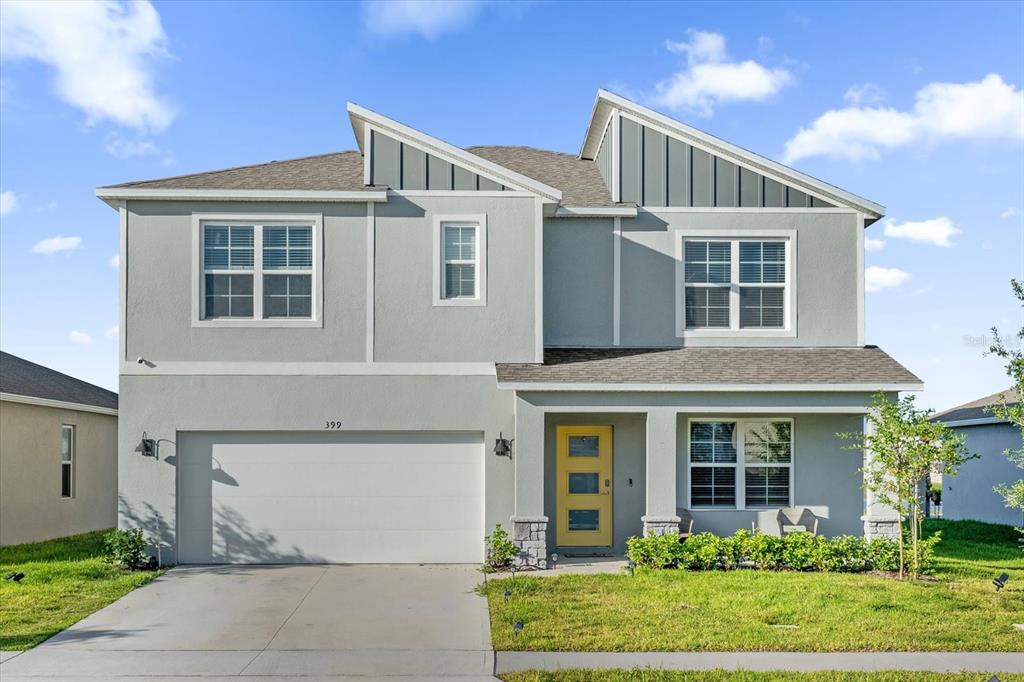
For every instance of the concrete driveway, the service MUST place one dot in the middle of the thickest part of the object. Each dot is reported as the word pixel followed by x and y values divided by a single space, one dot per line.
pixel 265 622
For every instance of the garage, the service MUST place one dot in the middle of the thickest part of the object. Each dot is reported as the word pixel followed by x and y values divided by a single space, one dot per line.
pixel 332 497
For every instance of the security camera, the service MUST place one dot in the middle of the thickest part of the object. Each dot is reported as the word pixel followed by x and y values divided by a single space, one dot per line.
pixel 141 360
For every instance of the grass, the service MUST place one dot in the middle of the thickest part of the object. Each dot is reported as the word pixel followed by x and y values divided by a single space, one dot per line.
pixel 679 610
pixel 745 676
pixel 65 580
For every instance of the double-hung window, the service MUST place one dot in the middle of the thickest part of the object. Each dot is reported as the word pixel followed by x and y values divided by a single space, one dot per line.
pixel 460 256
pixel 258 272
pixel 741 464
pixel 736 285
pixel 67 460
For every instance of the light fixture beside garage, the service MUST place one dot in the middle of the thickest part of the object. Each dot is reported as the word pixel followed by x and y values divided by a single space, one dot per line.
pixel 146 446
pixel 503 446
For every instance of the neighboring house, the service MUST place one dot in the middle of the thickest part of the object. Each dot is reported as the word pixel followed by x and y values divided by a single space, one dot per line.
pixel 970 494
pixel 328 348
pixel 58 454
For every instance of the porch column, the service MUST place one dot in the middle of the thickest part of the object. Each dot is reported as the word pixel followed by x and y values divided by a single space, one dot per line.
pixel 529 524
pixel 660 510
pixel 880 519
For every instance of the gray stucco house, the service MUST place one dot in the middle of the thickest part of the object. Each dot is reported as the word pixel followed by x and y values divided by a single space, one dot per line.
pixel 970 494
pixel 58 453
pixel 326 350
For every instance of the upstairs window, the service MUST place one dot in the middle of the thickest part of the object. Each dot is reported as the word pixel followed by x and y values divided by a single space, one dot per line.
pixel 735 285
pixel 258 272
pixel 460 260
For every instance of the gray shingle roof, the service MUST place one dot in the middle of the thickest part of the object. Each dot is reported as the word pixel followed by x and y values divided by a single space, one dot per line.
pixel 22 377
pixel 978 409
pixel 579 181
pixel 867 365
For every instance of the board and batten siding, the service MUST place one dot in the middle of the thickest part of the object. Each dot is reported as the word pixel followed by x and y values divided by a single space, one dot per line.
pixel 656 169
pixel 401 166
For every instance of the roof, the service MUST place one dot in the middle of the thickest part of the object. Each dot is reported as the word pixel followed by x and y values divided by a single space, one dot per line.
pixel 860 368
pixel 978 409
pixel 607 101
pixel 23 378
pixel 578 179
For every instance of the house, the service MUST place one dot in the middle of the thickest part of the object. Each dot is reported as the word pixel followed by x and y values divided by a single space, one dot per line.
pixel 970 494
pixel 377 355
pixel 58 454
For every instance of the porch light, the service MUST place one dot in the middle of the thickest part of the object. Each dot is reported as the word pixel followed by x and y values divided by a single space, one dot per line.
pixel 146 447
pixel 503 446
pixel 1000 581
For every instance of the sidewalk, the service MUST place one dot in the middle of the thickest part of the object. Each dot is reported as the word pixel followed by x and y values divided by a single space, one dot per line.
pixel 995 662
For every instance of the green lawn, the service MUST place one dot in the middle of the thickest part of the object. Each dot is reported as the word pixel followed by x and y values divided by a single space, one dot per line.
pixel 65 580
pixel 745 676
pixel 678 610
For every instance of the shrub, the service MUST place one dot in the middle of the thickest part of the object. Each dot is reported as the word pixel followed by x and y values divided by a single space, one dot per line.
pixel 765 551
pixel 800 549
pixel 702 551
pixel 846 553
pixel 735 549
pixel 883 554
pixel 499 548
pixel 926 547
pixel 126 548
pixel 655 551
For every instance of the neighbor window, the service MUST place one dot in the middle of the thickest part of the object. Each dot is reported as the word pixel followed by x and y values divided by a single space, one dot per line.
pixel 257 271
pixel 741 464
pixel 67 460
pixel 735 284
pixel 461 268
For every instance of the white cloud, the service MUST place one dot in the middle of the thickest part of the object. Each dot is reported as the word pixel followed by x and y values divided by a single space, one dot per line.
pixel 57 244
pixel 872 244
pixel 877 278
pixel 937 231
pixel 985 109
pixel 115 261
pixel 8 202
pixel 1011 212
pixel 423 17
pixel 102 52
pixel 80 338
pixel 111 333
pixel 710 78
pixel 120 148
pixel 863 93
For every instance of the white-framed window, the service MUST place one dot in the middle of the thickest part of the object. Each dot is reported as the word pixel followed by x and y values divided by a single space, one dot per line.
pixel 460 260
pixel 67 460
pixel 735 285
pixel 257 270
pixel 740 463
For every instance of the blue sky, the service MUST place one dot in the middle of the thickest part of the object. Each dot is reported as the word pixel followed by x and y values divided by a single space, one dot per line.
pixel 916 106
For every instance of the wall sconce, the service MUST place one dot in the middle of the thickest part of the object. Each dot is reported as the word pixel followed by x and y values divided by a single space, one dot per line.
pixel 146 447
pixel 503 446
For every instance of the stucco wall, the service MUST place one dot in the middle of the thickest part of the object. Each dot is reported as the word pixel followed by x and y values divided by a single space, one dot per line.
pixel 969 494
pixel 165 406
pixel 31 506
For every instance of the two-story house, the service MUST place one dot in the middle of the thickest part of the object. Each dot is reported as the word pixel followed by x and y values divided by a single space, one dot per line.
pixel 378 355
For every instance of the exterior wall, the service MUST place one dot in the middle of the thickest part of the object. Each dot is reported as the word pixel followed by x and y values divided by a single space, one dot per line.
pixel 827 478
pixel 969 494
pixel 399 165
pixel 408 327
pixel 578 281
pixel 31 507
pixel 164 406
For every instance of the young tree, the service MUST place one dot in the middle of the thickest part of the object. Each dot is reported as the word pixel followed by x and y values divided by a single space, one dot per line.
pixel 1010 410
pixel 905 445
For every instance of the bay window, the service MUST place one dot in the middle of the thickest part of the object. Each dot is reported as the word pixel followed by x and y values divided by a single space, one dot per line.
pixel 740 464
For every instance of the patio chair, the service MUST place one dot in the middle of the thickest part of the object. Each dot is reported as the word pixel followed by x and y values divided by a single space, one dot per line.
pixel 785 521
pixel 685 523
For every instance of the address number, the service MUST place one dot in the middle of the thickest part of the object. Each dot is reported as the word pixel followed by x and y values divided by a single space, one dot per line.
pixel 332 425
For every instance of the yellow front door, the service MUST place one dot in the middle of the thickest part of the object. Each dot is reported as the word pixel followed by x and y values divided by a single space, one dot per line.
pixel 584 495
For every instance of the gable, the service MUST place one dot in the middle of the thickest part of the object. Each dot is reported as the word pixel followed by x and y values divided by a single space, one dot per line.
pixel 402 166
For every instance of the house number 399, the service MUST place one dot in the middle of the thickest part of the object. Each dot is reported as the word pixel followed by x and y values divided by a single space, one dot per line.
pixel 332 425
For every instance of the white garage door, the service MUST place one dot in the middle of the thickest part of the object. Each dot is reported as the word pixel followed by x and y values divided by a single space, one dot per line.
pixel 382 497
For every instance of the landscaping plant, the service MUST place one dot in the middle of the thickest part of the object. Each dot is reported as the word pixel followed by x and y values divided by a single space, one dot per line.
pixel 126 548
pixel 905 446
pixel 499 548
pixel 1013 493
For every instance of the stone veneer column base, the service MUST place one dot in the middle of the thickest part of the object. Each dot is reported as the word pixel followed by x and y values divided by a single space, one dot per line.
pixel 530 535
pixel 881 527
pixel 660 525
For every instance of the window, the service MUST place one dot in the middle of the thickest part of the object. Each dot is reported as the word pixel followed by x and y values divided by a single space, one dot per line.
pixel 67 460
pixel 460 257
pixel 741 464
pixel 735 285
pixel 257 272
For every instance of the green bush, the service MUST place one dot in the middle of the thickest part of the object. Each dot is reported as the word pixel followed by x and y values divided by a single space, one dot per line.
pixel 702 552
pixel 655 551
pixel 125 548
pixel 883 554
pixel 499 548
pixel 766 551
pixel 734 550
pixel 843 553
pixel 799 550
